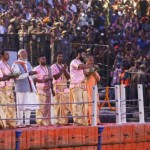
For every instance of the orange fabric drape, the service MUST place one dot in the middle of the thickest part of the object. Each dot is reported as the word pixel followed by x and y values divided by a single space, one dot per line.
pixel 91 81
pixel 125 82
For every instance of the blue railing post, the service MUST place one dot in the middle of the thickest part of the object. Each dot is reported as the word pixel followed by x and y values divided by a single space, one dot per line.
pixel 100 130
pixel 18 134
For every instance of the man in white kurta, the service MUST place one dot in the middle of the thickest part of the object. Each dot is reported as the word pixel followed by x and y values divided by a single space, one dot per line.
pixel 24 88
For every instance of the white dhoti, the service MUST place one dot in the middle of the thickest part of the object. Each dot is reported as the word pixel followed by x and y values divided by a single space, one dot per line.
pixel 26 100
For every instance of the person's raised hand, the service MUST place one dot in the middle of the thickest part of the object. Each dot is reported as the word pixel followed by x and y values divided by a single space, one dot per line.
pixel 64 68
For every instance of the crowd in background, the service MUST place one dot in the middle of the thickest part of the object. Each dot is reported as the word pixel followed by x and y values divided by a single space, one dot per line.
pixel 123 25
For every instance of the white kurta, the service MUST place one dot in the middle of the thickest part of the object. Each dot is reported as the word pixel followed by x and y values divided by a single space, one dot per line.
pixel 26 97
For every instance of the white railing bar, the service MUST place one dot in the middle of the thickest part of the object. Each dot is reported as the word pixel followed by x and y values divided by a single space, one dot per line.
pixel 94 105
pixel 44 118
pixel 130 100
pixel 105 87
pixel 89 44
pixel 46 104
pixel 132 107
pixel 107 114
pixel 118 111
pixel 141 103
pixel 112 101
pixel 147 74
pixel 123 102
pixel 129 113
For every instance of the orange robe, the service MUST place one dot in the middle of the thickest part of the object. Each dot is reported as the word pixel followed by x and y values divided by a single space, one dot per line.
pixel 91 81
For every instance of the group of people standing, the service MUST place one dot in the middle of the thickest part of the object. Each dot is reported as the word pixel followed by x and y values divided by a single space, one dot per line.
pixel 43 89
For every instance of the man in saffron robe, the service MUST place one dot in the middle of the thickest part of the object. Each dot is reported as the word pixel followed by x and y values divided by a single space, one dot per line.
pixel 92 79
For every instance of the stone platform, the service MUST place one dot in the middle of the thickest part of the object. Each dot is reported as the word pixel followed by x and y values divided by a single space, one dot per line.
pixel 131 136
pixel 51 137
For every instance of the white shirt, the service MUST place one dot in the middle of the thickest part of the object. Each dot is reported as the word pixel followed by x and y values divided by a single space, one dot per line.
pixel 72 8
pixel 16 70
pixel 28 16
pixel 50 2
pixel 89 3
pixel 76 75
pixel 2 31
pixel 85 6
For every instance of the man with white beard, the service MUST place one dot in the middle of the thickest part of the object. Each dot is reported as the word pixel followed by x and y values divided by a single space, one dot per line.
pixel 24 88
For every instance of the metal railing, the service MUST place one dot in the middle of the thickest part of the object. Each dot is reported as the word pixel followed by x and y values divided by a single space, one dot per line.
pixel 85 102
pixel 102 58
pixel 140 101
pixel 116 101
pixel 120 101
pixel 35 44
